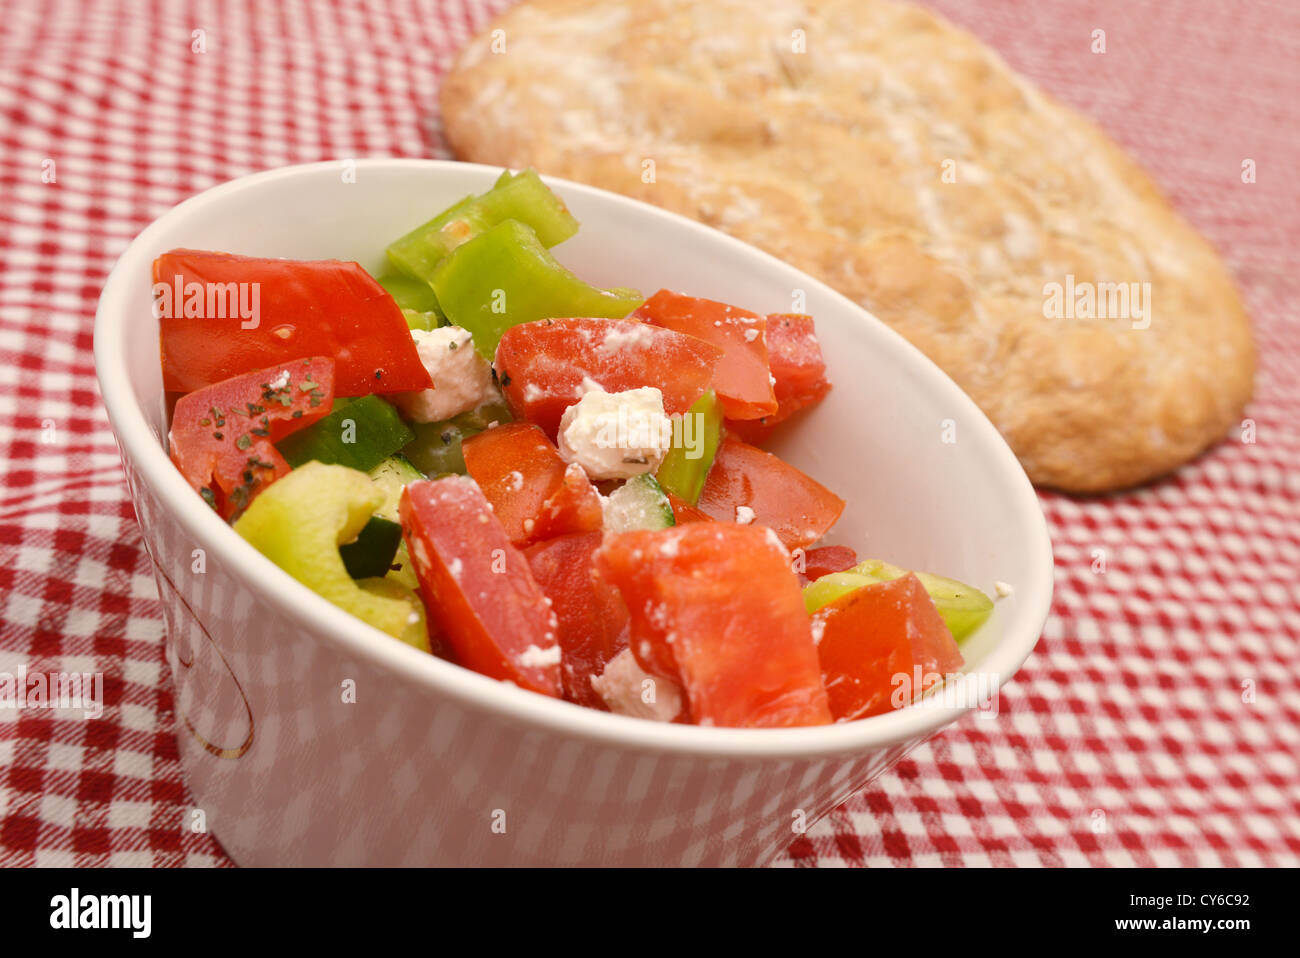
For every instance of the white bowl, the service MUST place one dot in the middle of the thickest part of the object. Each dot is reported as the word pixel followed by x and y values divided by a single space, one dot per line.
pixel 434 764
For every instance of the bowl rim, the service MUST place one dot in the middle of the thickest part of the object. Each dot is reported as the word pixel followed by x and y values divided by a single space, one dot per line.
pixel 350 636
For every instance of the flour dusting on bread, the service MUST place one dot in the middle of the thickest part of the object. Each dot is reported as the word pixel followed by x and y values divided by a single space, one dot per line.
pixel 897 158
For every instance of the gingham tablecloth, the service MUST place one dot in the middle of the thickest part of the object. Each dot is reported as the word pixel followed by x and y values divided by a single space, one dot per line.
pixel 1158 722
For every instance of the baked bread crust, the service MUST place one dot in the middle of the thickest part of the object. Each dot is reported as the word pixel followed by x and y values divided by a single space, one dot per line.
pixel 902 162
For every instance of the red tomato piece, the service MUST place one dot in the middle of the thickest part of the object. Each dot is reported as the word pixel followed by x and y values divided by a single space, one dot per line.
pixel 934 650
pixel 534 493
pixel 797 507
pixel 878 643
pixel 573 507
pixel 796 356
pixel 544 367
pixel 742 380
pixel 798 369
pixel 518 469
pixel 221 436
pixel 324 307
pixel 825 560
pixel 683 511
pixel 478 588
pixel 591 614
pixel 715 608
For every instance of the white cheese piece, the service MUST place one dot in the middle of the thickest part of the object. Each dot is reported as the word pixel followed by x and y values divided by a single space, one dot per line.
pixel 623 686
pixel 462 379
pixel 775 542
pixel 620 335
pixel 535 657
pixel 616 435
pixel 744 515
pixel 1003 589
pixel 818 629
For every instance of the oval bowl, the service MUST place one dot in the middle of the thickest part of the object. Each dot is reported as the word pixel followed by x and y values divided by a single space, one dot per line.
pixel 309 738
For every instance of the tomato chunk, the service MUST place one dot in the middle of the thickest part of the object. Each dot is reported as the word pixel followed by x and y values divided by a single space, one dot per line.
pixel 544 367
pixel 795 355
pixel 534 493
pixel 742 380
pixel 573 507
pixel 798 369
pixel 222 436
pixel 591 614
pixel 478 588
pixel 326 307
pixel 825 560
pixel 877 643
pixel 683 511
pixel 797 507
pixel 715 608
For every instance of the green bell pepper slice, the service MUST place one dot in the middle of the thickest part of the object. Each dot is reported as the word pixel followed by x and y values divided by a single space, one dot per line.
pixel 425 321
pixel 505 277
pixel 410 293
pixel 964 608
pixel 416 632
pixel 683 469
pixel 522 197
pixel 300 521
pixel 359 434
pixel 830 587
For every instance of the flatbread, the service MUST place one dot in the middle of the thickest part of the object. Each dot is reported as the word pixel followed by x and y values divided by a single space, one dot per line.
pixel 895 157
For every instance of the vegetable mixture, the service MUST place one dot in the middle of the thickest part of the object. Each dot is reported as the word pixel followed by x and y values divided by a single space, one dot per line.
pixel 552 484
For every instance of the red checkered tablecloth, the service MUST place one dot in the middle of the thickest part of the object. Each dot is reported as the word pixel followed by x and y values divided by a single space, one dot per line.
pixel 1158 722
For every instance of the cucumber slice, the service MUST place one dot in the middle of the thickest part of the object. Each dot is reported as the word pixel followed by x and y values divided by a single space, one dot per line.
pixel 639 503
pixel 371 553
pixel 390 476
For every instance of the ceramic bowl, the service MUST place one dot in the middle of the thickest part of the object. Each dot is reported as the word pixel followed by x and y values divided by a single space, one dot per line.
pixel 310 738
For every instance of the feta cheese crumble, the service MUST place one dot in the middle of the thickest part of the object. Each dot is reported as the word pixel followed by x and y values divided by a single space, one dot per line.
pixel 534 657
pixel 616 435
pixel 620 335
pixel 744 515
pixel 625 688
pixel 1003 589
pixel 462 379
pixel 818 630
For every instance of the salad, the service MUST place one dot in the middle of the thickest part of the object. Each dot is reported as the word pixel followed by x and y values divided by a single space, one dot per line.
pixel 555 485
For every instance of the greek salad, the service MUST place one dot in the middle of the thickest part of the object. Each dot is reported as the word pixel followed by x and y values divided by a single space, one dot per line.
pixel 555 485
